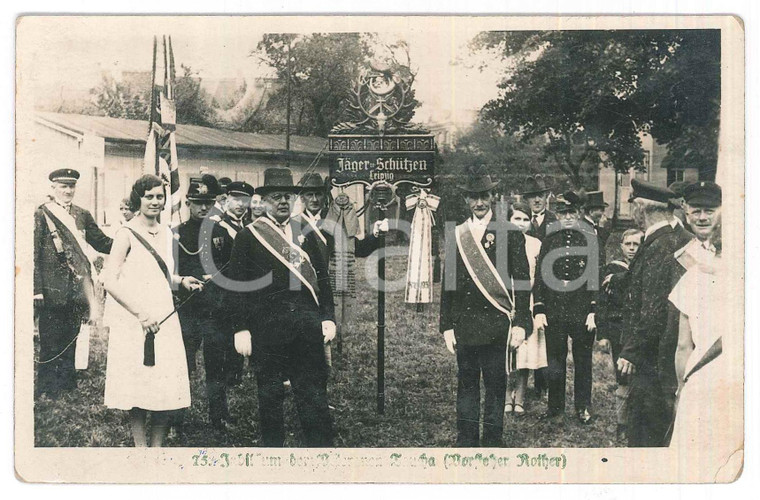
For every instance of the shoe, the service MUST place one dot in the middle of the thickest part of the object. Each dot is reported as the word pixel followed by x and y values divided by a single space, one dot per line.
pixel 286 383
pixel 509 406
pixel 519 410
pixel 549 415
pixel 584 417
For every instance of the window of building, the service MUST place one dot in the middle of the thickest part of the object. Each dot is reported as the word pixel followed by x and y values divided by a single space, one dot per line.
pixel 675 175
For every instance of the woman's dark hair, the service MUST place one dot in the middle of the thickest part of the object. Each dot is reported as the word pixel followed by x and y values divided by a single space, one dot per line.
pixel 140 187
pixel 519 206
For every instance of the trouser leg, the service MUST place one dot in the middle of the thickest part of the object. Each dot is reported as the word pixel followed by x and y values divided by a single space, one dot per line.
pixel 216 361
pixel 270 365
pixel 647 412
pixel 494 364
pixel 58 326
pixel 192 335
pixel 556 350
pixel 540 380
pixel 583 343
pixel 468 396
pixel 307 370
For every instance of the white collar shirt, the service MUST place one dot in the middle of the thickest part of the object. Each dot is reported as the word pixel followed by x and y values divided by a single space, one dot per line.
pixel 479 226
pixel 650 230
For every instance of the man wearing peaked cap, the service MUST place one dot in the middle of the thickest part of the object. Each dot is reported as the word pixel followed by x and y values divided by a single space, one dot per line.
pixel 649 346
pixel 565 303
pixel 63 280
pixel 481 311
pixel 702 204
pixel 285 321
pixel 202 316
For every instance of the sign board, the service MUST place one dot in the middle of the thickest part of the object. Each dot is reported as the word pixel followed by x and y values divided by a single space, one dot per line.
pixel 390 158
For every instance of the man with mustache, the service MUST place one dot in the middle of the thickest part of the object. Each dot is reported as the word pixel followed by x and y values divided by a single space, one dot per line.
pixel 482 312
pixel 282 313
pixel 648 354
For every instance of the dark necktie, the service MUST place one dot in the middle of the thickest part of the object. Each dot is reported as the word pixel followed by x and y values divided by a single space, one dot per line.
pixel 534 222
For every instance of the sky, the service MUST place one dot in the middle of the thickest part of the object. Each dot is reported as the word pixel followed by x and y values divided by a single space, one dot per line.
pixel 74 54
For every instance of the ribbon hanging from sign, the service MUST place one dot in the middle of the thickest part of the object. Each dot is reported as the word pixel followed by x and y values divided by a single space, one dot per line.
pixel 419 270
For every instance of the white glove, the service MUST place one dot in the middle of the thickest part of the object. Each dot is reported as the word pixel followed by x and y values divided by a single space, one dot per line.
pixel 328 330
pixel 380 226
pixel 451 341
pixel 605 344
pixel 243 343
pixel 539 322
pixel 518 336
pixel 590 323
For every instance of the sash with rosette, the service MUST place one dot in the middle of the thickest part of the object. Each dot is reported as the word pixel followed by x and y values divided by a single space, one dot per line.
pixel 486 278
pixel 288 253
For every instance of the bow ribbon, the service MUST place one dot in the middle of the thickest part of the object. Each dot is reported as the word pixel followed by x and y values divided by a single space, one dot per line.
pixel 419 271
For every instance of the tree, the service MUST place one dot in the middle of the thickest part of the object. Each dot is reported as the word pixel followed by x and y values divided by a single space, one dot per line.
pixel 507 157
pixel 591 93
pixel 120 99
pixel 323 69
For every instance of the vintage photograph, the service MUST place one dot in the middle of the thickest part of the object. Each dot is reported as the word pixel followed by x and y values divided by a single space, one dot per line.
pixel 459 236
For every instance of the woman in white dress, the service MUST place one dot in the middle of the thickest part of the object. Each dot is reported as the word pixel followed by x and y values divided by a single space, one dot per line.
pixel 531 355
pixel 708 426
pixel 140 297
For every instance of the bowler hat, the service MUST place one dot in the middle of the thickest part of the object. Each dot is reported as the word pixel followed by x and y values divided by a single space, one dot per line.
pixel 65 175
pixel 277 179
pixel 478 181
pixel 595 199
pixel 536 184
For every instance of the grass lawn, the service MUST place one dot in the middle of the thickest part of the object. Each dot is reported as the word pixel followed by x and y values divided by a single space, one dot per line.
pixel 420 394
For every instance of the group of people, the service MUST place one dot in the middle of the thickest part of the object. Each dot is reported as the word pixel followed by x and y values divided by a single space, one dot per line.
pixel 655 308
pixel 245 277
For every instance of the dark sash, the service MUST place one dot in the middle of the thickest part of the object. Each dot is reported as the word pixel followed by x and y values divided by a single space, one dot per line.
pixel 149 350
pixel 482 271
pixel 287 252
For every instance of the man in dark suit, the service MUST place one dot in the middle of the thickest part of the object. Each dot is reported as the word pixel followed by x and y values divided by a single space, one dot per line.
pixel 648 354
pixel 63 288
pixel 282 311
pixel 534 192
pixel 565 293
pixel 201 243
pixel 220 189
pixel 594 209
pixel 481 310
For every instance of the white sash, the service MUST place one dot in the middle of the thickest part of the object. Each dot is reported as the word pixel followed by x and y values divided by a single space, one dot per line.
pixel 279 256
pixel 71 224
pixel 314 227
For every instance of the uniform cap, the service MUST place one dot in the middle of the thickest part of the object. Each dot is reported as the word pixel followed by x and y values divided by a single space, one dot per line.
pixel 240 188
pixel 703 194
pixel 65 175
pixel 649 191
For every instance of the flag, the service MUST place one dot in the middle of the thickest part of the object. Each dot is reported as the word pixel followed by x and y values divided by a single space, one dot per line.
pixel 161 145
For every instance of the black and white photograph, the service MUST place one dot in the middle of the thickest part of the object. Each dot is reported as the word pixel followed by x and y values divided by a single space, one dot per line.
pixel 372 248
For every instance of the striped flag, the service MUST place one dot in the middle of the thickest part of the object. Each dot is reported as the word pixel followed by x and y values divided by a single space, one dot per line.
pixel 161 146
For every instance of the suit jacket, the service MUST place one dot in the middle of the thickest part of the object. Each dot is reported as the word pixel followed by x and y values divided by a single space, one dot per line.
pixel 540 232
pixel 363 247
pixel 653 273
pixel 464 308
pixel 275 313
pixel 560 305
pixel 612 302
pixel 52 277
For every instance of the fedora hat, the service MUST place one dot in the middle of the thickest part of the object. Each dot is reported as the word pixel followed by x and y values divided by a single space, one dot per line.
pixel 567 202
pixel 478 181
pixel 536 184
pixel 311 182
pixel 277 179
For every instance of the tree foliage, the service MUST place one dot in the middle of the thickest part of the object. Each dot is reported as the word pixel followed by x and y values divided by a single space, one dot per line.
pixel 323 70
pixel 591 93
pixel 120 99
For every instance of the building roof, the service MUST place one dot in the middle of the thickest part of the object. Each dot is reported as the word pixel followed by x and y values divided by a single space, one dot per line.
pixel 121 130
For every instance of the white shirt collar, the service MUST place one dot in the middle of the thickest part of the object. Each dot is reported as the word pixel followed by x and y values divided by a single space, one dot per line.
pixel 676 222
pixel 651 229
pixel 484 221
pixel 314 217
